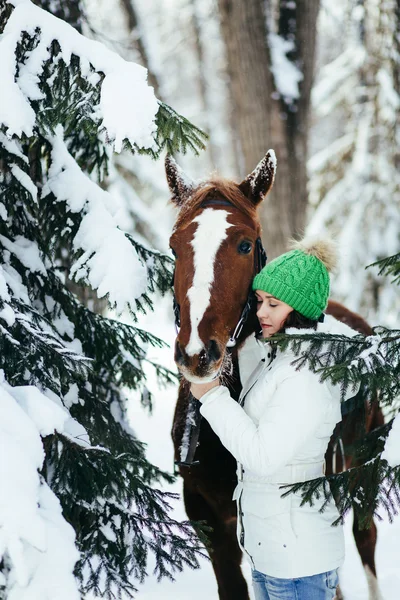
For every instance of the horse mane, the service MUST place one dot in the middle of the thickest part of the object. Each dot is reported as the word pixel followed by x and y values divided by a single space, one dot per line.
pixel 215 188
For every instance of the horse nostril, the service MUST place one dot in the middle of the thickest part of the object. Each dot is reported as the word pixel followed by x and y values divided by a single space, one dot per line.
pixel 214 352
pixel 179 359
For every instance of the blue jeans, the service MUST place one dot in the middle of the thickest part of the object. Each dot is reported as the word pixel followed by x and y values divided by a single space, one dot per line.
pixel 315 587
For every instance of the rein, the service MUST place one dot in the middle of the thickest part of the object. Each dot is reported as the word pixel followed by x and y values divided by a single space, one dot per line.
pixel 193 418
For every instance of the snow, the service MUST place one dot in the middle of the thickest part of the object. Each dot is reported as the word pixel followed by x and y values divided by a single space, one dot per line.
pixel 12 146
pixel 72 396
pixel 25 180
pixel 327 154
pixel 337 80
pixel 354 179
pixel 8 315
pixel 389 99
pixel 287 76
pixel 35 540
pixel 108 533
pixel 391 452
pixel 366 360
pixel 128 105
pixel 65 327
pixel 26 251
pixel 13 279
pixel 3 212
pixel 45 414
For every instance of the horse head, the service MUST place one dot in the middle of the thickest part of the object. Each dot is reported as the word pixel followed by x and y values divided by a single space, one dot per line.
pixel 216 243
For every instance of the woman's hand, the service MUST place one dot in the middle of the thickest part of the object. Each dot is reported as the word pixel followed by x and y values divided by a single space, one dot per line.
pixel 199 389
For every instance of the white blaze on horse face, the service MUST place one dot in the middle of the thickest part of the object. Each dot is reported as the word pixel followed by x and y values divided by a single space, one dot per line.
pixel 210 233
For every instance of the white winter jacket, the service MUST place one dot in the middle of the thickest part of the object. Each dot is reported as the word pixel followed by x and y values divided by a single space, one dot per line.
pixel 280 436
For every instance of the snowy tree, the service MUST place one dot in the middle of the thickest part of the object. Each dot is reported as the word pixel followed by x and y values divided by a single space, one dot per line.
pixel 79 509
pixel 355 180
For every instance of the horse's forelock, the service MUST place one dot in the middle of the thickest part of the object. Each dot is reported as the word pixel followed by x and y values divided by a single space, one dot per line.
pixel 215 188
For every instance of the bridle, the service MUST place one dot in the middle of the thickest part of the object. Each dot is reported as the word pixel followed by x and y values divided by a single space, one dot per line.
pixel 260 259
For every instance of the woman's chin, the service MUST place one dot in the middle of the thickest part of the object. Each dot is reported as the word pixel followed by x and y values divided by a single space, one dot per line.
pixel 266 333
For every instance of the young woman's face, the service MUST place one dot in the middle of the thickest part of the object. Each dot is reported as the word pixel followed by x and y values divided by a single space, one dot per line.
pixel 271 313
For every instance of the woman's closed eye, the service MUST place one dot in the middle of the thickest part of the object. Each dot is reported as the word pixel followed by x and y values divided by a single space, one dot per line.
pixel 271 304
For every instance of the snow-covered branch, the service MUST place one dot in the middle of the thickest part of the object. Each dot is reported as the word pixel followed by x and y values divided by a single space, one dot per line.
pixel 128 106
pixel 108 261
pixel 36 542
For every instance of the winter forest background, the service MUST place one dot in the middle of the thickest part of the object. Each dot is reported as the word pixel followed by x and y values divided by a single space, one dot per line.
pixel 317 81
pixel 337 118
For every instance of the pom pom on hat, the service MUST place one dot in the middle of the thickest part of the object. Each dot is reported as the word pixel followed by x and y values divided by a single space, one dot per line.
pixel 300 277
pixel 323 249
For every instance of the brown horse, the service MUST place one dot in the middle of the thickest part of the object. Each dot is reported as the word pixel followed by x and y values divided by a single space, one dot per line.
pixel 215 244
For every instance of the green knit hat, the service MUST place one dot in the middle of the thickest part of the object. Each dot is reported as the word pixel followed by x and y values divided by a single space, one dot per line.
pixel 300 277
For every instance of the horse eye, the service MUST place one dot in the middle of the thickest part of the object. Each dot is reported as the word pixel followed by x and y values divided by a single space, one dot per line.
pixel 244 247
pixel 173 253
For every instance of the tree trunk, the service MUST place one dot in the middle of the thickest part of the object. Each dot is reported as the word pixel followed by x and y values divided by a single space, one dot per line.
pixel 133 26
pixel 70 11
pixel 202 79
pixel 266 118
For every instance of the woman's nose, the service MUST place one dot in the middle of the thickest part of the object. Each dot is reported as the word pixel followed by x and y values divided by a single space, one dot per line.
pixel 262 311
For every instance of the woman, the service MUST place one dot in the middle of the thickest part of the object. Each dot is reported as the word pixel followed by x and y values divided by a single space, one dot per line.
pixel 279 432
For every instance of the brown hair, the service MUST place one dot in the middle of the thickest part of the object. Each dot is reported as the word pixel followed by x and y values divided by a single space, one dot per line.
pixel 295 320
pixel 299 321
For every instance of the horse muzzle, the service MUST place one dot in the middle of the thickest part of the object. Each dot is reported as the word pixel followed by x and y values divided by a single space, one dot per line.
pixel 204 366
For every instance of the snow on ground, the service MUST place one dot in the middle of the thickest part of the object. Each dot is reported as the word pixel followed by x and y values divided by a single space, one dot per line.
pixel 200 584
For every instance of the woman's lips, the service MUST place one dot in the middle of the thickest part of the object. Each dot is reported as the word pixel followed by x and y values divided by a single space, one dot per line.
pixel 263 325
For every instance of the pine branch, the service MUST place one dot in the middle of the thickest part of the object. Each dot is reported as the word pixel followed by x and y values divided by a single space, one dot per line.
pixel 389 266
pixel 107 499
pixel 372 360
pixel 366 489
pixel 176 134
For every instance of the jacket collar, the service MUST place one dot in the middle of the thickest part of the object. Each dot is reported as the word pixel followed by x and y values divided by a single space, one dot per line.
pixel 330 325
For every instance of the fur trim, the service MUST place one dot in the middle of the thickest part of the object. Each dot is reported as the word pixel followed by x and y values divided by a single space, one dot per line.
pixel 323 249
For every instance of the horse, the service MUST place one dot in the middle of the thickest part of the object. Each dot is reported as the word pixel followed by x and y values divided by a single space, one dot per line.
pixel 216 242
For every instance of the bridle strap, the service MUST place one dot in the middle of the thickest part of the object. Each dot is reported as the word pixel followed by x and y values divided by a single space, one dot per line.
pixel 214 202
pixel 176 307
pixel 260 258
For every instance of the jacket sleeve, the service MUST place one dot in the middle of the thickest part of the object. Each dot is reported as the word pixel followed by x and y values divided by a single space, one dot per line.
pixel 295 412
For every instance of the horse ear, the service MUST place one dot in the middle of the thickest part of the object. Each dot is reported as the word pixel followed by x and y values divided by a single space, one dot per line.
pixel 260 181
pixel 178 182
